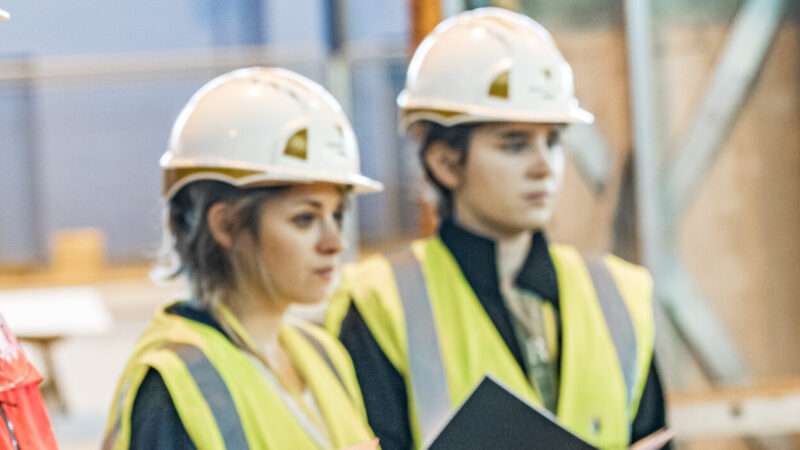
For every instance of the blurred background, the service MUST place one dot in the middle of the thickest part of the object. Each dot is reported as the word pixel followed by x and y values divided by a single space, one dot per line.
pixel 692 168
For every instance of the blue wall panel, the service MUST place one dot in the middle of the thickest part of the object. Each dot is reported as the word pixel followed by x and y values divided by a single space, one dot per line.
pixel 84 151
pixel 99 167
pixel 19 234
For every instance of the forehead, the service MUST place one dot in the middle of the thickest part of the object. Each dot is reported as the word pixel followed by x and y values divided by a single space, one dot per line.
pixel 317 193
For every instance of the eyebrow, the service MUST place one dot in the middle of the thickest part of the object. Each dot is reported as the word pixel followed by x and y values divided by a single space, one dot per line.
pixel 314 203
pixel 515 134
pixel 318 205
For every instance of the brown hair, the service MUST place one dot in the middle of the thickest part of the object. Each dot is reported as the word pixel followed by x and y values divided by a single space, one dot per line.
pixel 457 137
pixel 190 249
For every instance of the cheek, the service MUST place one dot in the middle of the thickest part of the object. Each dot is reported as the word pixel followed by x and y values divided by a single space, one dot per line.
pixel 493 179
pixel 290 259
pixel 557 162
pixel 485 167
pixel 284 253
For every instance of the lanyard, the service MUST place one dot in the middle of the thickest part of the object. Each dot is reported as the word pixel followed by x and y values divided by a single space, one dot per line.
pixel 530 331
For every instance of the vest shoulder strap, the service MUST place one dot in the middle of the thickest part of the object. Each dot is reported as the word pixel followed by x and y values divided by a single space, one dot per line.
pixel 215 392
pixel 323 352
pixel 174 361
pixel 425 364
pixel 618 321
pixel 114 433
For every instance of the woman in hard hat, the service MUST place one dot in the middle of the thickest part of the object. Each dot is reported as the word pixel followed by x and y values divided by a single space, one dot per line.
pixel 256 177
pixel 489 94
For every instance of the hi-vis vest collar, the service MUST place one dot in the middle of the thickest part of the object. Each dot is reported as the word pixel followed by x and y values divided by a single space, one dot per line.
pixel 223 398
pixel 432 327
pixel 476 256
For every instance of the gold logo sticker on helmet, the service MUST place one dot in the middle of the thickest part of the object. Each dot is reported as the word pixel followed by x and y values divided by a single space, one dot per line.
pixel 297 146
pixel 499 87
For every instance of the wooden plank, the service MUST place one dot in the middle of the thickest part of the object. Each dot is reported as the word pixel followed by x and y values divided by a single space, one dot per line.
pixel 767 409
pixel 56 312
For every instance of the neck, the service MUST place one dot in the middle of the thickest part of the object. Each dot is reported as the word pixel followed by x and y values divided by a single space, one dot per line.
pixel 511 247
pixel 261 319
pixel 511 255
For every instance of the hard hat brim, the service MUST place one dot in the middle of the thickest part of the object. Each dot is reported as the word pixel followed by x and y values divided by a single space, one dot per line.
pixel 268 176
pixel 449 114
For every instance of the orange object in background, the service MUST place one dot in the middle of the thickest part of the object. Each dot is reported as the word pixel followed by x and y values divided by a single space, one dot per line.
pixel 425 15
pixel 24 424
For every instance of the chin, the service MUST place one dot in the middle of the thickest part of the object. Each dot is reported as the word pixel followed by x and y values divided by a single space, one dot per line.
pixel 315 294
pixel 310 298
pixel 528 222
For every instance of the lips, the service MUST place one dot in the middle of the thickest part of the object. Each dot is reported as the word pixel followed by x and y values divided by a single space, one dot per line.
pixel 537 197
pixel 326 273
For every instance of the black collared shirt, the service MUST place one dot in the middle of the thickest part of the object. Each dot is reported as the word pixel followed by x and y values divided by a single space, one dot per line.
pixel 383 387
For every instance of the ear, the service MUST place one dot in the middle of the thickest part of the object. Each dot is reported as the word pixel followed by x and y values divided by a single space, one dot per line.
pixel 219 224
pixel 445 164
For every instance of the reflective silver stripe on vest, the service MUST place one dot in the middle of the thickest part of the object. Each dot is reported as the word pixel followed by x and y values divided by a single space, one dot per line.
pixel 111 437
pixel 324 354
pixel 216 394
pixel 618 321
pixel 425 364
pixel 12 435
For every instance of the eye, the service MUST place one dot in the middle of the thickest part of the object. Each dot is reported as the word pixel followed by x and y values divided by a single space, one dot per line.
pixel 338 216
pixel 554 138
pixel 303 220
pixel 515 146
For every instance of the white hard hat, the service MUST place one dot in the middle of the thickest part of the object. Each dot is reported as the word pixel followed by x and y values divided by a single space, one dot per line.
pixel 262 126
pixel 489 64
pixel 4 15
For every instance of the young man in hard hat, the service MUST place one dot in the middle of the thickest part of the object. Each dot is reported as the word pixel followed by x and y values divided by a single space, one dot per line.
pixel 489 93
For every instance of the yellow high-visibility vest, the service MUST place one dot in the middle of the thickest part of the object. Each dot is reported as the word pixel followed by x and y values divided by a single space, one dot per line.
pixel 607 330
pixel 223 398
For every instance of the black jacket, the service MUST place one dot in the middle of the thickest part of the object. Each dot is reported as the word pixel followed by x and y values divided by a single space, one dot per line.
pixel 383 387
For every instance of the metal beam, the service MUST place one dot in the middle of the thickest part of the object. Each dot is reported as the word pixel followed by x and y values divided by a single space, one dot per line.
pixel 751 36
pixel 169 62
pixel 647 160
pixel 754 29
pixel 592 155
pixel 687 311
pixel 707 340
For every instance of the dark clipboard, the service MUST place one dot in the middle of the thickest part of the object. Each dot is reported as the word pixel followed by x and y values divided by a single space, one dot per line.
pixel 495 418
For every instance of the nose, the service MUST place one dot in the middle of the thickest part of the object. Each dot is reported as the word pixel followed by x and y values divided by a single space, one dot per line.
pixel 331 242
pixel 539 163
